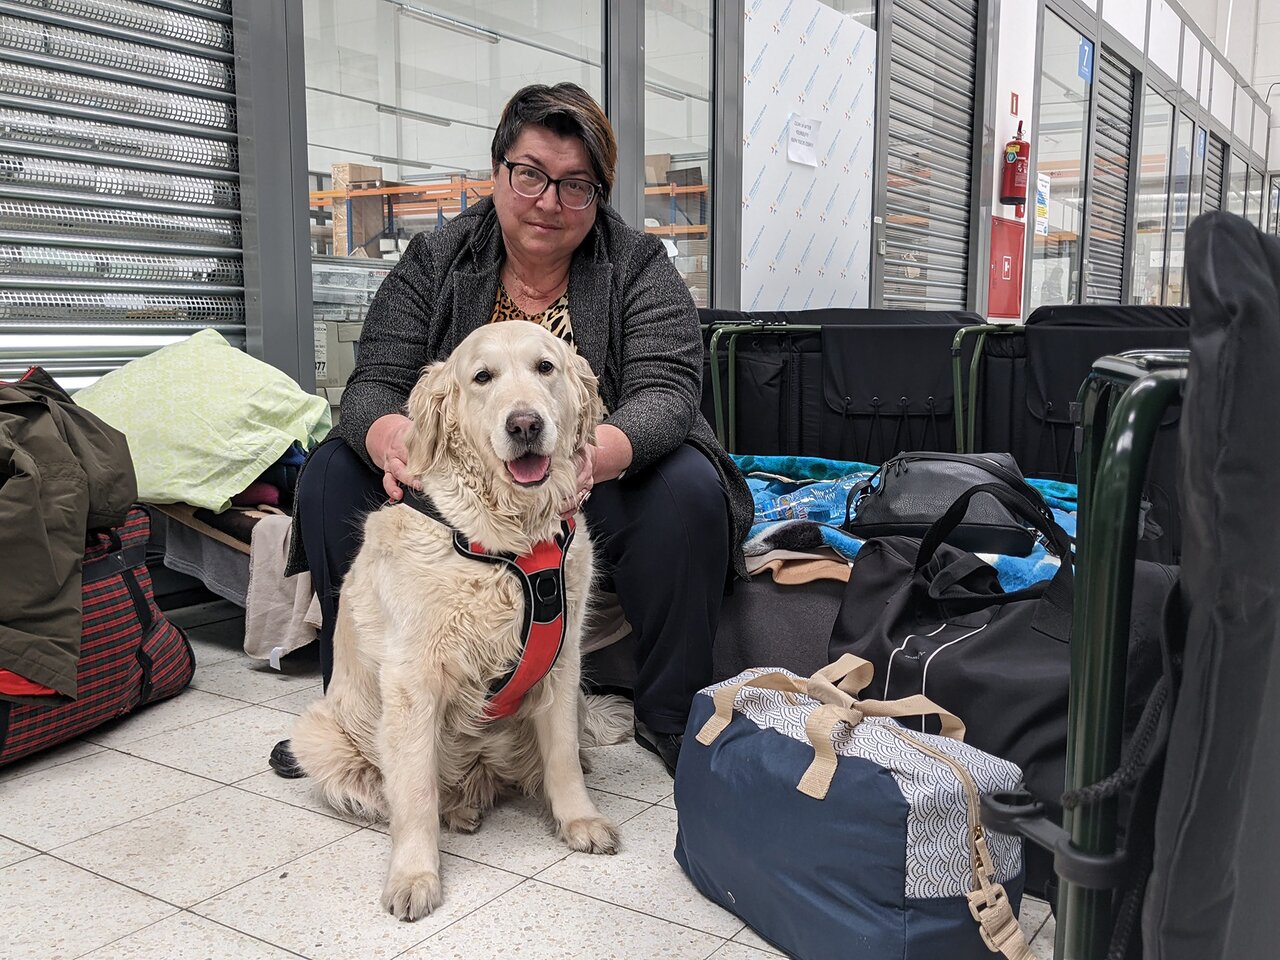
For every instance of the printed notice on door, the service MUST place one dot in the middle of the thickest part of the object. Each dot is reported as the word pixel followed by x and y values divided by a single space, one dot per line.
pixel 802 140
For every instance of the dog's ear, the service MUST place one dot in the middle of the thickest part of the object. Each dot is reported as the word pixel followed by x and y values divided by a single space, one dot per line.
pixel 587 394
pixel 432 408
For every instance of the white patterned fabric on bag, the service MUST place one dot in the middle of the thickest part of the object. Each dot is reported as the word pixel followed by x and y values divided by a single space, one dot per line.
pixel 938 854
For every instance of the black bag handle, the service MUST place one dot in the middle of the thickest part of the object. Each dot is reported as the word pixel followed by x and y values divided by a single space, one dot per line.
pixel 1036 514
pixel 1053 615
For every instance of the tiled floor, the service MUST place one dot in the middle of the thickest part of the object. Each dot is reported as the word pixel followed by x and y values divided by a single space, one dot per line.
pixel 166 836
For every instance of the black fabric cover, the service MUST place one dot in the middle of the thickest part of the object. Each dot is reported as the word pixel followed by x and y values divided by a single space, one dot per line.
pixel 1104 315
pixel 1216 871
pixel 1030 381
pixel 871 383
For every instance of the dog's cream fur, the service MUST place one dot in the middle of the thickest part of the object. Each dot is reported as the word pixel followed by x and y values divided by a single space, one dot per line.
pixel 422 631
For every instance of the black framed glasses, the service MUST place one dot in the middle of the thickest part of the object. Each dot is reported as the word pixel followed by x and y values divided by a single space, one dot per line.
pixel 531 182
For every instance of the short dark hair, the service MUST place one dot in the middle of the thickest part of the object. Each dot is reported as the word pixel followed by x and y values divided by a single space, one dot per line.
pixel 568 111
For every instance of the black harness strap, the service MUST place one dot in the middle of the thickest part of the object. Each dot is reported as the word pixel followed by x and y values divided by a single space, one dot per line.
pixel 544 619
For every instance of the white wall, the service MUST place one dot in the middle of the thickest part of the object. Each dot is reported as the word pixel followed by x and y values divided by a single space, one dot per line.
pixel 1015 66
pixel 806 228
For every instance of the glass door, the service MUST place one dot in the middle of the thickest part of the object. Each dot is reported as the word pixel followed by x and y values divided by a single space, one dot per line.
pixel 1058 158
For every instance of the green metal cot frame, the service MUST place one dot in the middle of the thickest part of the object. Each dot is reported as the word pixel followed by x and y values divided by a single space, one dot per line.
pixel 967 400
pixel 727 429
pixel 1122 403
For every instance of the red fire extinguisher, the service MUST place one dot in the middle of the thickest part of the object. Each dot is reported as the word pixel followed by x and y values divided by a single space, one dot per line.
pixel 1013 177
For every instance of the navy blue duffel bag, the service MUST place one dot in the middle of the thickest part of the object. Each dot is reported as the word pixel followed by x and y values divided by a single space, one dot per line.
pixel 835 831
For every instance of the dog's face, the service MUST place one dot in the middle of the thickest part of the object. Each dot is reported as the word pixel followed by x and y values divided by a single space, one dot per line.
pixel 512 395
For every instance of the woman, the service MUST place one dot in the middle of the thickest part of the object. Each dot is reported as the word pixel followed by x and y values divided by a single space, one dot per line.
pixel 665 504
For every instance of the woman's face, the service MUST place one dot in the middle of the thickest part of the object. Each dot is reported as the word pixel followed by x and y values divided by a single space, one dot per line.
pixel 542 229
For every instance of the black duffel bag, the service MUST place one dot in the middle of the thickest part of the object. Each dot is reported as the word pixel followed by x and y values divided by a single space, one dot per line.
pixel 909 493
pixel 934 620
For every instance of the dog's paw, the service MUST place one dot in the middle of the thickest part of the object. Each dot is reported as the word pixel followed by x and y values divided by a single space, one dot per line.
pixel 590 835
pixel 411 895
pixel 462 819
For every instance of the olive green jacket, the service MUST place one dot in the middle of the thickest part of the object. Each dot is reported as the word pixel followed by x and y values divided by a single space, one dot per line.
pixel 63 472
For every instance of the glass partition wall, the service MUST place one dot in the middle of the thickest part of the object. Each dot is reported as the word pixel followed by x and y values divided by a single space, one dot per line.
pixel 1061 151
pixel 677 146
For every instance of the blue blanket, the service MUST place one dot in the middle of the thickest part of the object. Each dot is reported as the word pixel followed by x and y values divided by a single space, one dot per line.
pixel 800 504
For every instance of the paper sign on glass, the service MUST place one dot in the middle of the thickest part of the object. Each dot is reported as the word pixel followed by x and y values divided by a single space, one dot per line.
pixel 802 140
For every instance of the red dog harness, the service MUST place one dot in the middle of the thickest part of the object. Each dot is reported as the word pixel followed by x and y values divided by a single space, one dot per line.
pixel 541 576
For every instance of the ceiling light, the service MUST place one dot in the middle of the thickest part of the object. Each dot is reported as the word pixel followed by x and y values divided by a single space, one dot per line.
pixel 671 93
pixel 447 23
pixel 401 161
pixel 414 115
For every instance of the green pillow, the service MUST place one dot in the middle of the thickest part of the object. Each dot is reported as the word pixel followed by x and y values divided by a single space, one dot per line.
pixel 204 420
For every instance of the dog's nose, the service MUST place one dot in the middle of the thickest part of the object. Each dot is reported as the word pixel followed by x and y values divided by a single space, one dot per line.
pixel 524 424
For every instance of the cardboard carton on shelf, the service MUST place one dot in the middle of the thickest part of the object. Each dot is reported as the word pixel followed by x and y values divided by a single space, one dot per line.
pixel 656 167
pixel 366 212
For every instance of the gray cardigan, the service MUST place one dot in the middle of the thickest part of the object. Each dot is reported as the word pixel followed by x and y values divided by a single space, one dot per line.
pixel 633 321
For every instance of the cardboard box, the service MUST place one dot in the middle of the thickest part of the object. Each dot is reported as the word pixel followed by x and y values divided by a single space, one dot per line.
pixel 335 342
pixel 656 167
pixel 366 212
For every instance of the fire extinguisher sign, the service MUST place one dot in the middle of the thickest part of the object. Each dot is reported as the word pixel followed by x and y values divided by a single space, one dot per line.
pixel 1084 65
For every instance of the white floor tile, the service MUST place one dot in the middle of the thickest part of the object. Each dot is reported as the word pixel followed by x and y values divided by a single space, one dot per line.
pixel 217 642
pixel 47 759
pixel 517 836
pixel 13 852
pixel 1032 915
pixel 186 935
pixel 1042 945
pixel 295 703
pixel 225 748
pixel 193 850
pixel 644 876
pixel 738 951
pixel 53 910
pixel 669 802
pixel 190 706
pixel 255 681
pixel 326 905
pixel 629 771
pixel 539 922
pixel 749 938
pixel 299 793
pixel 85 796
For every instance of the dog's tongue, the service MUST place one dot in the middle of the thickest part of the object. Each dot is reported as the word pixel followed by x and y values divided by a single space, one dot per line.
pixel 529 468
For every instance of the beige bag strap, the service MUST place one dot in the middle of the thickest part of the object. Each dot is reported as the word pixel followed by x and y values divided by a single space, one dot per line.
pixel 988 900
pixel 822 722
pixel 835 683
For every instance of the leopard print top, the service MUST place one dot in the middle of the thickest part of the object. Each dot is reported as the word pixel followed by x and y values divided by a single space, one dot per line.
pixel 555 317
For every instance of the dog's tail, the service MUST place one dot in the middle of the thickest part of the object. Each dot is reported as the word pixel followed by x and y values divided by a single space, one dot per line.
pixel 606 719
pixel 344 776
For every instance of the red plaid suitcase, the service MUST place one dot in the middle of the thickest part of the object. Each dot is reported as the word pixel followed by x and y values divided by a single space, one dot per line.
pixel 130 653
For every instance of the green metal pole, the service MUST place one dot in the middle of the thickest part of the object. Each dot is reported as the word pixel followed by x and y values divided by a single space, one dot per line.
pixel 1112 471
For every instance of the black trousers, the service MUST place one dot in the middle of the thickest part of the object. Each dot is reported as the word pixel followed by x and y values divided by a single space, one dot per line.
pixel 661 534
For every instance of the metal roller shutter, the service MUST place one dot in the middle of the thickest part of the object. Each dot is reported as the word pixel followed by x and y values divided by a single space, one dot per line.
pixel 1109 181
pixel 119 182
pixel 1215 164
pixel 929 146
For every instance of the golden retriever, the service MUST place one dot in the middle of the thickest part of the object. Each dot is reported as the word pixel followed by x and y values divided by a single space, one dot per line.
pixel 422 631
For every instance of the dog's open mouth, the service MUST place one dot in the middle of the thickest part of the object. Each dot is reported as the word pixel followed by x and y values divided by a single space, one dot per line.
pixel 529 470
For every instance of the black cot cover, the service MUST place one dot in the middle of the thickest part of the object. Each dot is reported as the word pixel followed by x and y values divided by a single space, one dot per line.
pixel 1215 882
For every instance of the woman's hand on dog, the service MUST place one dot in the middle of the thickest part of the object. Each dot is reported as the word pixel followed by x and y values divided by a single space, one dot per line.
pixel 387 446
pixel 586 463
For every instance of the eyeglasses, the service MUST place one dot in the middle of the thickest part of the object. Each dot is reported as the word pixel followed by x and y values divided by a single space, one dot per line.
pixel 531 182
